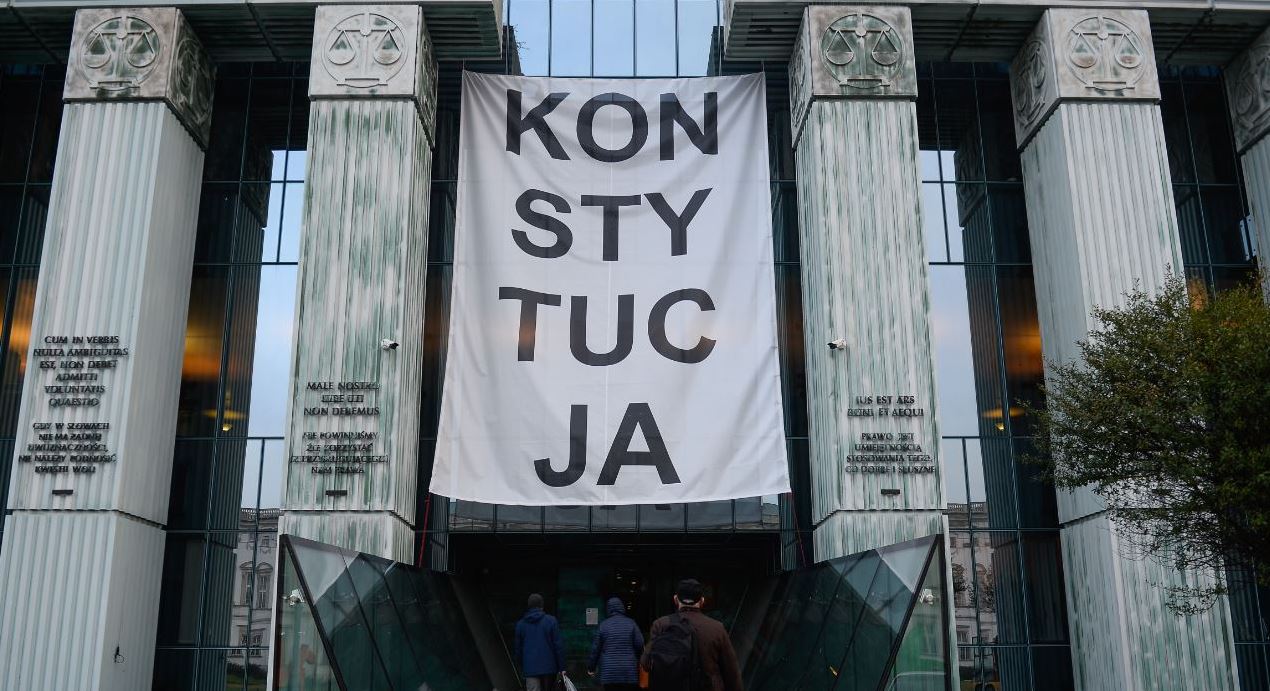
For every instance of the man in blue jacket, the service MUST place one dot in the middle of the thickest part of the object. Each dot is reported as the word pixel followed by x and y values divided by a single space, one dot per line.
pixel 539 647
pixel 616 648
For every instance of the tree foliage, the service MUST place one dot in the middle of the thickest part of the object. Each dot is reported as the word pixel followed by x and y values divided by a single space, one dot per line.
pixel 1166 416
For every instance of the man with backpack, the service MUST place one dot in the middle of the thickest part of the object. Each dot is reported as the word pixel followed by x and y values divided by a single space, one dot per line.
pixel 539 647
pixel 616 649
pixel 690 651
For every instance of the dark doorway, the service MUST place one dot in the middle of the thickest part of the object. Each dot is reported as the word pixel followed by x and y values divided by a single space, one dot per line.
pixel 576 574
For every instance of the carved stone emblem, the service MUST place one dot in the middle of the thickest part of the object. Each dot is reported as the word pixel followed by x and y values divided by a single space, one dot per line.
pixel 142 54
pixel 374 51
pixel 429 82
pixel 850 51
pixel 192 84
pixel 1104 53
pixel 862 51
pixel 799 93
pixel 1028 89
pixel 1248 92
pixel 364 50
pixel 119 53
pixel 1078 54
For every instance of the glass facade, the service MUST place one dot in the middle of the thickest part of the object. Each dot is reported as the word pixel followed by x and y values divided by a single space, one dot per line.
pixel 1007 584
pixel 222 551
pixel 222 544
pixel 1212 210
pixel 29 122
pixel 1250 613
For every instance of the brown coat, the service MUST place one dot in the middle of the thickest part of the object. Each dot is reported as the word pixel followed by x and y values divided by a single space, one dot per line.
pixel 718 659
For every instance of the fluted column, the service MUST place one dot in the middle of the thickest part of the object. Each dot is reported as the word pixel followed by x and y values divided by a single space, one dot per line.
pixel 870 382
pixel 353 438
pixel 83 550
pixel 1102 222
pixel 1248 94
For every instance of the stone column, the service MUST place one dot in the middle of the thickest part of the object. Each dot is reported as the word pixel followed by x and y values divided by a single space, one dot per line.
pixel 83 550
pixel 870 381
pixel 1248 93
pixel 1102 221
pixel 353 438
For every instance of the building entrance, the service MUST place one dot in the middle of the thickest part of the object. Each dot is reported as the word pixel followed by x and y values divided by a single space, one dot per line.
pixel 352 621
pixel 577 574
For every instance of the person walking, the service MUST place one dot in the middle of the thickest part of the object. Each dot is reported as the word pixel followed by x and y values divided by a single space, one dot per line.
pixel 616 648
pixel 539 647
pixel 689 651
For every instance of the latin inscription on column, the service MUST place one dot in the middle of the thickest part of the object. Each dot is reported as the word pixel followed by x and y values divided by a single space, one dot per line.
pixel 340 452
pixel 889 452
pixel 75 374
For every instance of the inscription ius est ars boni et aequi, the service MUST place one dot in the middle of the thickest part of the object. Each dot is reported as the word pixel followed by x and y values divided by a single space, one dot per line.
pixel 888 452
pixel 79 367
pixel 340 452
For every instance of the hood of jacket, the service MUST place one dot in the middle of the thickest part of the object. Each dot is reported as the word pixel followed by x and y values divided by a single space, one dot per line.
pixel 534 615
pixel 615 606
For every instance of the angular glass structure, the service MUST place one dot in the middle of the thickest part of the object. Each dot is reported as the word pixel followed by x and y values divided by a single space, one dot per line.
pixel 872 621
pixel 349 621
pixel 346 621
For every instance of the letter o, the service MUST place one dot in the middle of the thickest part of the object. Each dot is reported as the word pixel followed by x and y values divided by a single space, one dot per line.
pixel 586 127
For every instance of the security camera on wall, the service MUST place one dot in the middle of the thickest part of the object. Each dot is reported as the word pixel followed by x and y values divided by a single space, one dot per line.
pixel 388 344
pixel 840 344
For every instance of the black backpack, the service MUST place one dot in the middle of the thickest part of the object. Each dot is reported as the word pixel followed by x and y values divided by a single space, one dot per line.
pixel 674 662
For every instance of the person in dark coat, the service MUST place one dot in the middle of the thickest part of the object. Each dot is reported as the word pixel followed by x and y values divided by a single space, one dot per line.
pixel 718 658
pixel 539 647
pixel 616 649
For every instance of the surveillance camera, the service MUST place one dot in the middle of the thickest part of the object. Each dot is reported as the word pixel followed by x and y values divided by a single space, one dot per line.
pixel 927 597
pixel 295 598
pixel 840 344
pixel 388 344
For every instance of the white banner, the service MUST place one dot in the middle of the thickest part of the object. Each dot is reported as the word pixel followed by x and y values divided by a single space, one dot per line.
pixel 613 317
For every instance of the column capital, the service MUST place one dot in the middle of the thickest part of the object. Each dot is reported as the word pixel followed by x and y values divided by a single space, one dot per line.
pixel 142 54
pixel 1082 55
pixel 1248 92
pixel 851 51
pixel 374 51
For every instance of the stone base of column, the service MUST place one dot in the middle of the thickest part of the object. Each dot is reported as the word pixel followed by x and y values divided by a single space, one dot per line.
pixel 381 533
pixel 79 598
pixel 1123 635
pixel 852 532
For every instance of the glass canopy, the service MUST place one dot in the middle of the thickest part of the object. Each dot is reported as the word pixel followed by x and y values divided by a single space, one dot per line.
pixel 346 621
pixel 871 621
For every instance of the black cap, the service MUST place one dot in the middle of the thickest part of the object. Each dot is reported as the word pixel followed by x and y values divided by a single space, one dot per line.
pixel 535 601
pixel 689 591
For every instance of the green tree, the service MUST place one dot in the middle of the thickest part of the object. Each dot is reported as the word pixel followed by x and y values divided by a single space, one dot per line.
pixel 1166 417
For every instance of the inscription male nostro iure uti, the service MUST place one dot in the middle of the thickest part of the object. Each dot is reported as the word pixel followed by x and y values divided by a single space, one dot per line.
pixel 340 452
